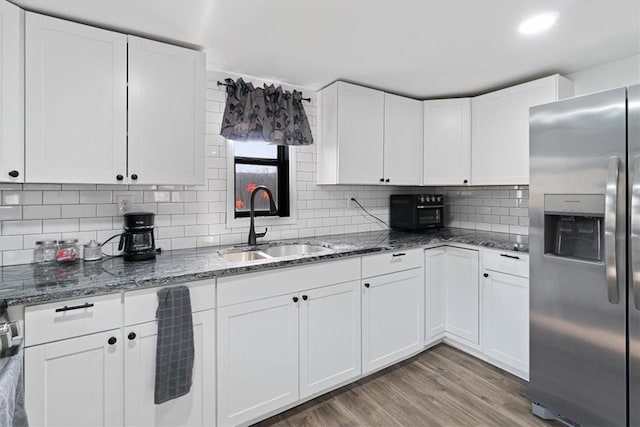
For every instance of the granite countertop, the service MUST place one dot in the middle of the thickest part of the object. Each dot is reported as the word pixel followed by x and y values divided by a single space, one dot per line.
pixel 32 284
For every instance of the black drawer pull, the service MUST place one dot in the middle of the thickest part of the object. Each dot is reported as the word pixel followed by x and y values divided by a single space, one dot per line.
pixel 74 307
pixel 366 285
pixel 397 255
pixel 510 256
pixel 486 274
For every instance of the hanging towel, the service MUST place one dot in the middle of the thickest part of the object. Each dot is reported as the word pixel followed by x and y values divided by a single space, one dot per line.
pixel 12 413
pixel 174 351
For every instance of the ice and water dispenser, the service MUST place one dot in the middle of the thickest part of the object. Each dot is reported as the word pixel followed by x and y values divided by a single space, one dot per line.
pixel 574 226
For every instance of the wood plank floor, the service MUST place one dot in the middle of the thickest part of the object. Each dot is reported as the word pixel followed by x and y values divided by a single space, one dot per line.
pixel 439 387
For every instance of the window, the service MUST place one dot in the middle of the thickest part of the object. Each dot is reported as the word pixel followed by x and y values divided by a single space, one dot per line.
pixel 257 163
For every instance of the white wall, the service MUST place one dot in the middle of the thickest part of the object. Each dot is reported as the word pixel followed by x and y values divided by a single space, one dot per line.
pixel 623 72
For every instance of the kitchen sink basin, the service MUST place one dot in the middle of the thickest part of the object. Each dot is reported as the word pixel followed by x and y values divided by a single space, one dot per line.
pixel 295 249
pixel 243 256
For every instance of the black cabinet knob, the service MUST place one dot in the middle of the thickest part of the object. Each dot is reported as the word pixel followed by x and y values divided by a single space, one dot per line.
pixel 134 176
pixel 381 179
pixel 304 297
pixel 387 180
pixel 295 299
pixel 486 274
pixel 131 336
pixel 112 340
pixel 366 285
pixel 465 181
pixel 119 177
pixel 14 174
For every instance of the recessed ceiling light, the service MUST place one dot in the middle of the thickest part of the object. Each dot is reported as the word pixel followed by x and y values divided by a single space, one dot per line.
pixel 538 23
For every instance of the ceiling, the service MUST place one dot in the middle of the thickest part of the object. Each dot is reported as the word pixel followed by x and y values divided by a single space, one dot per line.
pixel 424 49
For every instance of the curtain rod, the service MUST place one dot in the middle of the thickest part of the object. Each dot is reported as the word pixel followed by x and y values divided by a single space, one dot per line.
pixel 227 84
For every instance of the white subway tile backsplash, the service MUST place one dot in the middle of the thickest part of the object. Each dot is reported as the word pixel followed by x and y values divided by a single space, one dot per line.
pixel 59 225
pixel 195 216
pixel 22 197
pixel 96 197
pixel 78 211
pixel 12 228
pixel 41 212
pixel 60 197
pixel 11 212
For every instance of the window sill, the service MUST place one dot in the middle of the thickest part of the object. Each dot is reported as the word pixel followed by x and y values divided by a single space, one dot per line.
pixel 261 221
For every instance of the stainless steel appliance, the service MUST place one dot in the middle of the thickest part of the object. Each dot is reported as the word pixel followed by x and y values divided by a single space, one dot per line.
pixel 138 238
pixel 415 212
pixel 585 259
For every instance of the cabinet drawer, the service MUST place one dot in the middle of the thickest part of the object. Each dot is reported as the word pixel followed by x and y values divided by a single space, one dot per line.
pixel 140 306
pixel 391 262
pixel 266 284
pixel 508 262
pixel 66 319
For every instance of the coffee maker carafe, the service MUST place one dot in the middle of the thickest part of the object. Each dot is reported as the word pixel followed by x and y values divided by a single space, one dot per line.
pixel 137 240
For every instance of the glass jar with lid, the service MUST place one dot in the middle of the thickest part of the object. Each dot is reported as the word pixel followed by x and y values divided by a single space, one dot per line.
pixel 67 250
pixel 45 251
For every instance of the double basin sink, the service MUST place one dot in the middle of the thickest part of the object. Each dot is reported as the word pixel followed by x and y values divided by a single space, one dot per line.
pixel 276 251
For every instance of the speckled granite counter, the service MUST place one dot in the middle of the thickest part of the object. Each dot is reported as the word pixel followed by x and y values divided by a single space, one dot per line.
pixel 31 284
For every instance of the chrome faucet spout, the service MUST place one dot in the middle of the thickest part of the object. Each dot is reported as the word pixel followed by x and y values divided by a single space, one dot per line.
pixel 272 209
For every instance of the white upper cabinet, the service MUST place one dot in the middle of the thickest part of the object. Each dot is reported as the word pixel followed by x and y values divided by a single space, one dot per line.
pixel 350 135
pixel 76 100
pixel 447 142
pixel 11 93
pixel 500 129
pixel 166 113
pixel 366 137
pixel 402 140
pixel 83 125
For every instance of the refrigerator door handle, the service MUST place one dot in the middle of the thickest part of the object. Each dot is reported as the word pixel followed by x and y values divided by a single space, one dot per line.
pixel 635 231
pixel 610 229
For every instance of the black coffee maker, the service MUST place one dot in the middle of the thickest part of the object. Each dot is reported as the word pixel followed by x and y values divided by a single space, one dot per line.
pixel 137 240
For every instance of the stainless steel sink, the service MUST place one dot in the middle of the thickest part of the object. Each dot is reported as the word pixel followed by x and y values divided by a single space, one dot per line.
pixel 295 249
pixel 243 256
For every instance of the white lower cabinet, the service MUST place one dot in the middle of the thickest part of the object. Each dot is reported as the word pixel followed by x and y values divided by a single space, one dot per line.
pixel 76 381
pixel 330 345
pixel 392 317
pixel 435 274
pixel 462 294
pixel 505 308
pixel 193 409
pixel 257 358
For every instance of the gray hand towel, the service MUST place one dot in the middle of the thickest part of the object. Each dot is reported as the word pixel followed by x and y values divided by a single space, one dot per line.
pixel 12 413
pixel 174 352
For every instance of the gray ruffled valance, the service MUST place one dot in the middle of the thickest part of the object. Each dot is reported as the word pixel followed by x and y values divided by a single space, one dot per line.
pixel 268 114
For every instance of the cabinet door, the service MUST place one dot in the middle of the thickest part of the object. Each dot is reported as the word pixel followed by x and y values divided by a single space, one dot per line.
pixel 75 382
pixel 257 358
pixel 193 409
pixel 402 140
pixel 462 290
pixel 500 132
pixel 11 93
pixel 435 288
pixel 76 102
pixel 392 317
pixel 330 341
pixel 505 320
pixel 166 113
pixel 447 142
pixel 360 134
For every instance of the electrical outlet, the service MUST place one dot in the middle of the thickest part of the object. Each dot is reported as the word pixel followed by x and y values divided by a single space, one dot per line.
pixel 125 203
pixel 350 203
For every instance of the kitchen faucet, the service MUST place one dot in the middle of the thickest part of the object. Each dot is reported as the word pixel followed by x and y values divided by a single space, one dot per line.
pixel 272 210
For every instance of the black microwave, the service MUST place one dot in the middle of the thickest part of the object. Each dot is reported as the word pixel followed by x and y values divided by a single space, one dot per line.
pixel 415 212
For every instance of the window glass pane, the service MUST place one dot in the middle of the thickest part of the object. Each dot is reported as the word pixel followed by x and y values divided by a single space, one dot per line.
pixel 248 177
pixel 260 150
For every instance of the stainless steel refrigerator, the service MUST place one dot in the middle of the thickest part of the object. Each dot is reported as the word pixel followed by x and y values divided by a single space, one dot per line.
pixel 585 259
